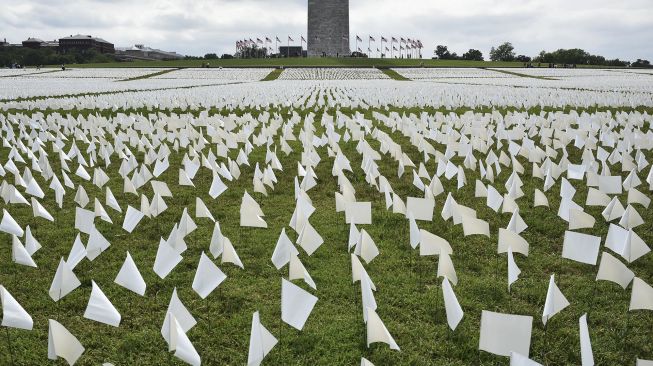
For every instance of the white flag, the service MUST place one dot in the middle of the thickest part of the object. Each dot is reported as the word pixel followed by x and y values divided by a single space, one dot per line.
pixel 13 315
pixel 207 277
pixel 587 358
pixel 9 225
pixel 61 343
pixel 100 309
pixel 502 334
pixel 130 277
pixel 451 305
pixel 64 281
pixel 377 332
pixel 132 218
pixel 296 304
pixel 555 301
pixel 261 342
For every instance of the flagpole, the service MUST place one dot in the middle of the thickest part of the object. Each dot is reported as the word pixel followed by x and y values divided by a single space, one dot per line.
pixel 11 350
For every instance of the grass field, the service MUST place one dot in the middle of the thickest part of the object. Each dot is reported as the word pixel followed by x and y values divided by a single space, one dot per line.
pixel 307 62
pixel 408 295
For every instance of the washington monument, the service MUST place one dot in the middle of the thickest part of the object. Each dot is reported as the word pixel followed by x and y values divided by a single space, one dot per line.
pixel 328 28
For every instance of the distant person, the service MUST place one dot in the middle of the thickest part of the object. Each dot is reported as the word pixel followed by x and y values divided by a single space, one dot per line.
pixel 63 67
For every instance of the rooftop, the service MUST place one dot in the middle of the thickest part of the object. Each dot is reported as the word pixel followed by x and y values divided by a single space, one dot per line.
pixel 81 36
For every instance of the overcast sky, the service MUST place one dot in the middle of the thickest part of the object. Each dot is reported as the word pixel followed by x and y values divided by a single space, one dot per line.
pixel 612 28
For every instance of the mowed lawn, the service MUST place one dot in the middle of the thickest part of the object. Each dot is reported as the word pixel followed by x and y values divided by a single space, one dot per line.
pixel 313 62
pixel 408 293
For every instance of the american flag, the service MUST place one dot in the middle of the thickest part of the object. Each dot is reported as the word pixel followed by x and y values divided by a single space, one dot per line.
pixel 278 40
pixel 258 40
pixel 394 39
pixel 403 40
pixel 383 39
pixel 268 40
pixel 303 40
pixel 359 39
pixel 290 39
pixel 372 39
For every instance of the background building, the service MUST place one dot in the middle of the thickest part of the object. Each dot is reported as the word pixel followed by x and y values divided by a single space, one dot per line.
pixel 140 52
pixel 84 43
pixel 33 43
pixel 36 43
pixel 291 51
pixel 328 28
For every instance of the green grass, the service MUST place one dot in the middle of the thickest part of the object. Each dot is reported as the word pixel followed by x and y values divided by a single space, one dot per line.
pixel 408 295
pixel 392 74
pixel 47 71
pixel 523 75
pixel 308 62
pixel 274 75
pixel 154 74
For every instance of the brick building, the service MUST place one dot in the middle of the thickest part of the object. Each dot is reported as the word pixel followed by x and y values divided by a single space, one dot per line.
pixel 84 43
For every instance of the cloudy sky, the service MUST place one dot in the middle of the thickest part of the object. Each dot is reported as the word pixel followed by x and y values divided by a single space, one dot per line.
pixel 613 28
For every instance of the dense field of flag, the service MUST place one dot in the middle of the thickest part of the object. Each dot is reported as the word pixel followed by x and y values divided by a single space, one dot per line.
pixel 378 47
pixel 332 216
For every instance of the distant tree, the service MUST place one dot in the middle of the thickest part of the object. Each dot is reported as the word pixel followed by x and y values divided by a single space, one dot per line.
pixel 252 51
pixel 617 62
pixel 641 63
pixel 210 56
pixel 473 55
pixel 522 58
pixel 226 56
pixel 577 56
pixel 442 52
pixel 504 52
pixel 49 56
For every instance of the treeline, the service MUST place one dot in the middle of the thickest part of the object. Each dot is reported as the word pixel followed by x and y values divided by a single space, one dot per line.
pixel 12 56
pixel 506 52
pixel 577 56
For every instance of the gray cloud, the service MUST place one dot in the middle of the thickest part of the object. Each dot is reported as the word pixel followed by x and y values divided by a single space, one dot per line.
pixel 610 28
